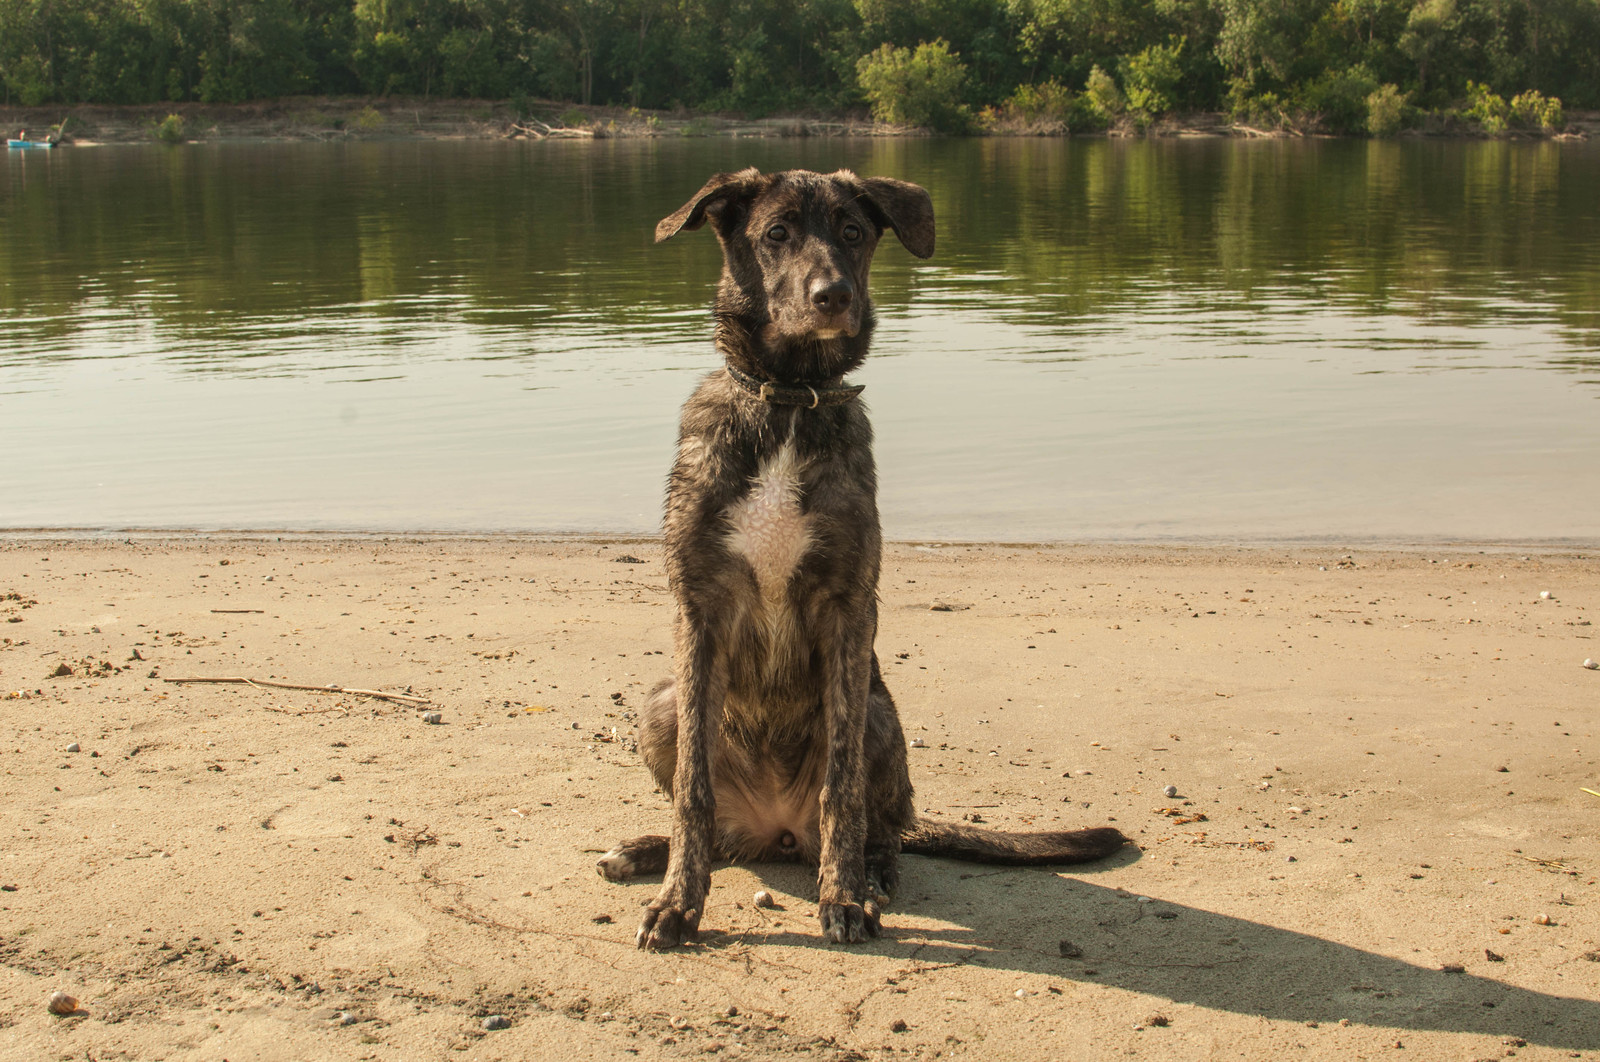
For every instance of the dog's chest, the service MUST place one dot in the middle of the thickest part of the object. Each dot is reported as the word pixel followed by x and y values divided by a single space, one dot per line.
pixel 768 527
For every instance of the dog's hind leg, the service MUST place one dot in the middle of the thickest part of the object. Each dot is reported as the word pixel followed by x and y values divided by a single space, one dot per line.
pixel 658 747
pixel 889 806
pixel 641 855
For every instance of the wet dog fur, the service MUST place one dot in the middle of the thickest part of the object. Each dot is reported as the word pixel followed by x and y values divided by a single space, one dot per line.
pixel 776 737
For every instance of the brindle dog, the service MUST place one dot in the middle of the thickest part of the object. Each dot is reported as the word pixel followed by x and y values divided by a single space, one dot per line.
pixel 776 738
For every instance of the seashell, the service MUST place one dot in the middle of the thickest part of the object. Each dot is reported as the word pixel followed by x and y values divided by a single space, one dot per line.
pixel 1592 665
pixel 433 718
pixel 61 1003
pixel 74 747
pixel 1543 920
pixel 1170 791
pixel 1544 595
pixel 918 743
pixel 763 899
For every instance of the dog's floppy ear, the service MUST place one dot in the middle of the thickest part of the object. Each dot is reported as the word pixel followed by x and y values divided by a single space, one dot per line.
pixel 904 207
pixel 717 191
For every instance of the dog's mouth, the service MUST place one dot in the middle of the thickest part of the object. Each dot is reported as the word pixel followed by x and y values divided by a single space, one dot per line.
pixel 843 325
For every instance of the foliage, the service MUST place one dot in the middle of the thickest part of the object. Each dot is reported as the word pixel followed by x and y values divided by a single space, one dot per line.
pixel 1533 110
pixel 169 130
pixel 1105 100
pixel 1151 77
pixel 1046 108
pixel 1338 99
pixel 921 88
pixel 1486 108
pixel 1385 111
pixel 1266 61
pixel 1427 32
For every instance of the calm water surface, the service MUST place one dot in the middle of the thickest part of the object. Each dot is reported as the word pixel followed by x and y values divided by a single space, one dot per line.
pixel 1191 340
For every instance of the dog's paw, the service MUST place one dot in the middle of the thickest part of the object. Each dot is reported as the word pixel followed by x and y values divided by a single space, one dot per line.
pixel 849 923
pixel 667 927
pixel 616 865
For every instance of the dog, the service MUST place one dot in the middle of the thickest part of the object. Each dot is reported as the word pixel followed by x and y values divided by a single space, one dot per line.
pixel 775 737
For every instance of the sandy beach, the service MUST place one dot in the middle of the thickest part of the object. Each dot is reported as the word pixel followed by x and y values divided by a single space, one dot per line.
pixel 1381 844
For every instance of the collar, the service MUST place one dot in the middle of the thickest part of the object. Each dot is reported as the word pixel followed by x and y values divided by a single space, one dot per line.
pixel 794 394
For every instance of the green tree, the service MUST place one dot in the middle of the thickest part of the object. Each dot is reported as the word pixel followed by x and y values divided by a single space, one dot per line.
pixel 922 87
pixel 1151 78
pixel 1428 28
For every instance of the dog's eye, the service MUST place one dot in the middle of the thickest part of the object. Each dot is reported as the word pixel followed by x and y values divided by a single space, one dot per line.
pixel 777 234
pixel 851 233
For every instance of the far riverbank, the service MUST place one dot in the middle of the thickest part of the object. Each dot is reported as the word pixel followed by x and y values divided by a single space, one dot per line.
pixel 401 118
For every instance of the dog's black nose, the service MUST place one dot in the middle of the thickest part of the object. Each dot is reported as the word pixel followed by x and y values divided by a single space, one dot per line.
pixel 831 296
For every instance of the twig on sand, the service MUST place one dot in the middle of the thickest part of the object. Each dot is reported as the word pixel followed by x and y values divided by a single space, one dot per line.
pixel 239 611
pixel 379 694
pixel 1553 864
pixel 1591 792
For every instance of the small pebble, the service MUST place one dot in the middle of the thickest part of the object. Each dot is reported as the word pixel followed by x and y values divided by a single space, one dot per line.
pixel 61 1003
pixel 1170 791
pixel 1021 993
pixel 1592 665
pixel 1069 950
pixel 1544 595
pixel 495 1022
pixel 1143 899
pixel 918 743
pixel 1543 920
pixel 898 1025
pixel 345 1018
pixel 433 718
pixel 74 747
pixel 763 898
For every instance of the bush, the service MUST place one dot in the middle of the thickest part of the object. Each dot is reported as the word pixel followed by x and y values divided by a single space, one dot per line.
pixel 369 119
pixel 1486 108
pixel 169 130
pixel 1533 110
pixel 1338 99
pixel 921 88
pixel 1152 77
pixel 1038 109
pixel 1106 101
pixel 1385 111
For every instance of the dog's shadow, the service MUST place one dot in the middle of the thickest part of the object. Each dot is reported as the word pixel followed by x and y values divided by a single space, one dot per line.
pixel 1023 919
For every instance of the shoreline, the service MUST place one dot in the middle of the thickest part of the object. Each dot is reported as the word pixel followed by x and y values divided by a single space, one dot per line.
pixel 352 119
pixel 1554 547
pixel 1383 833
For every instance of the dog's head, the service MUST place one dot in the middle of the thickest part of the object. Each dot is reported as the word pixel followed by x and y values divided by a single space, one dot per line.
pixel 796 252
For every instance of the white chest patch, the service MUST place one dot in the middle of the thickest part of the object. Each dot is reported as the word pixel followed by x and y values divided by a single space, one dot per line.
pixel 767 527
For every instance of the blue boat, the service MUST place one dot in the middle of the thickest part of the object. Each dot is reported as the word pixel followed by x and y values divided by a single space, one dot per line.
pixel 30 143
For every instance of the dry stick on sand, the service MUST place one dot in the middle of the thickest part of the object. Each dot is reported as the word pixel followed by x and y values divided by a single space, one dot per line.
pixel 382 696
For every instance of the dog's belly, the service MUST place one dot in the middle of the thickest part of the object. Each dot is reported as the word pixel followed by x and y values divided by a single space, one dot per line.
pixel 766 821
pixel 767 527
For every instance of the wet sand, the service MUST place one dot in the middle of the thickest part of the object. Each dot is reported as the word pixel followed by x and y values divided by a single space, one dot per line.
pixel 1380 760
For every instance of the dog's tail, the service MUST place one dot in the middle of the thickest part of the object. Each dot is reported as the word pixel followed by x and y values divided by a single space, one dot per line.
pixel 1015 849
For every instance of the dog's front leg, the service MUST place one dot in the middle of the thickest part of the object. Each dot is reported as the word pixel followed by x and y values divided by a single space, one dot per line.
pixel 674 915
pixel 849 913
